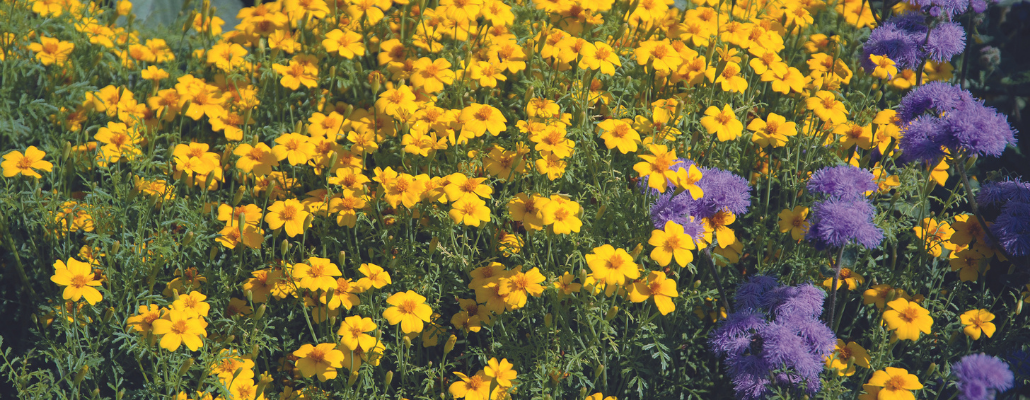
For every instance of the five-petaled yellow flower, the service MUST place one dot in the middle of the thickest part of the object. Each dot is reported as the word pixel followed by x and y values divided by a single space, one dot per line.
pixel 975 322
pixel 907 319
pixel 77 279
pixel 408 309
pixel 52 51
pixel 289 215
pixel 897 384
pixel 16 163
pixel 176 329
pixel 671 242
pixel 321 361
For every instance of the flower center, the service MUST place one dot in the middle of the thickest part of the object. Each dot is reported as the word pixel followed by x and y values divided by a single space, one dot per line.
pixel 79 281
pixel 896 383
pixel 408 306
pixel 179 327
pixel 483 114
pixel 288 213
pixel 909 314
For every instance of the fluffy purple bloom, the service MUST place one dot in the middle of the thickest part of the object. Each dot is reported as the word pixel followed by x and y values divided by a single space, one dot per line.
pixel 939 114
pixel 899 39
pixel 723 190
pixel 790 347
pixel 836 223
pixel 1012 228
pixel 981 377
pixel 942 8
pixel 997 193
pixel 946 40
pixel 843 182
pixel 678 208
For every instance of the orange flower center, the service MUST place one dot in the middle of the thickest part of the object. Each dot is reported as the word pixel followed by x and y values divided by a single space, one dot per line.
pixel 179 327
pixel 316 355
pixel 24 163
pixel 909 314
pixel 896 383
pixel 659 52
pixel 408 306
pixel 288 213
pixel 602 53
pixel 256 154
pixel 483 114
pixel 79 281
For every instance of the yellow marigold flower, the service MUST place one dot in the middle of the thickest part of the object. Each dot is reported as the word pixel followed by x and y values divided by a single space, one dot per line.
pixel 470 211
pixel 375 276
pixel 619 133
pixel 967 262
pixel 795 221
pixel 774 130
pixel 460 186
pixel 177 329
pixel 896 384
pixel 517 286
pixel 562 215
pixel 192 305
pixel 658 286
pixel 289 214
pixel 841 359
pixel 722 123
pixel 975 322
pixel 487 73
pixel 318 274
pixel 729 79
pixel 599 55
pixel 847 276
pixel 295 74
pixel 352 332
pixel 408 309
pixel 612 267
pixel 345 43
pixel 16 163
pixel 294 147
pixel 256 159
pixel 231 236
pixel 671 242
pixel 501 371
pixel 826 106
pixel 718 225
pixel 321 361
pixel 599 395
pixel 432 75
pixel 478 119
pixel 885 68
pixel 853 134
pixel 143 321
pixel 935 235
pixel 659 54
pixel 78 281
pixel 52 51
pixel 476 387
pixel 656 167
pixel 966 227
pixel 907 319
pixel 790 81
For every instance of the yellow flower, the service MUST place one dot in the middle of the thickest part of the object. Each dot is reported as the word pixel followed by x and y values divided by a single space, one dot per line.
pixel 293 147
pixel 619 133
pixel 143 321
pixel 885 68
pixel 897 384
pixel 718 225
pixel 846 276
pixel 967 262
pixel 177 329
pixel 935 235
pixel 562 215
pixel 52 51
pixel 773 131
pixel 476 387
pixel 659 54
pixel 841 359
pixel 656 167
pixel 16 163
pixel 722 123
pixel 318 274
pixel 795 221
pixel 470 211
pixel 289 213
pixel 352 332
pixel 321 361
pixel 192 305
pixel 612 267
pixel 78 281
pixel 976 322
pixel 907 319
pixel 408 309
pixel 432 75
pixel 519 284
pixel 671 241
pixel 827 107
pixel 296 74
pixel 501 371
pixel 345 43
pixel 256 159
pixel 460 186
pixel 730 79
pixel 477 119
pixel 375 276
pixel 658 286
pixel 599 55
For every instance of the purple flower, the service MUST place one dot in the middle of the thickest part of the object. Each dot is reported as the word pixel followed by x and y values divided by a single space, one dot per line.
pixel 843 182
pixel 753 294
pixel 723 190
pixel 836 223
pixel 981 377
pixel 1012 228
pixel 678 208
pixel 941 115
pixel 921 140
pixel 900 39
pixel 946 40
pixel 797 302
pixel 977 129
pixel 942 8
pixel 997 193
pixel 938 97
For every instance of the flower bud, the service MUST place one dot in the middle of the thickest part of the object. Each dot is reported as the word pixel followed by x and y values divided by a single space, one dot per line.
pixel 389 378
pixel 259 313
pixel 611 313
pixel 352 379
pixel 548 320
pixel 185 367
pixel 81 374
pixel 407 342
pixel 598 371
pixel 447 347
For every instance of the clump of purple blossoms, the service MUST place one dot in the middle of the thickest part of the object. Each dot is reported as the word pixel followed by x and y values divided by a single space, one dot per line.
pixel 774 338
pixel 938 115
pixel 844 215
pixel 1012 226
pixel 981 377
pixel 904 40
pixel 723 190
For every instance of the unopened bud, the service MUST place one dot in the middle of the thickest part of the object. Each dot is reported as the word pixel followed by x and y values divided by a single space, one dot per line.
pixel 447 347
pixel 214 253
pixel 407 342
pixel 353 378
pixel 188 239
pixel 388 378
pixel 185 367
pixel 548 320
pixel 238 196
pixel 81 374
pixel 284 247
pixel 598 371
pixel 611 313
pixel 259 313
pixel 1019 307
pixel 108 315
pixel 433 243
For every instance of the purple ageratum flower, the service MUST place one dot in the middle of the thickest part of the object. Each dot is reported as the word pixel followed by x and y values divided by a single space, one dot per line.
pixel 938 97
pixel 723 190
pixel 981 377
pixel 921 139
pixel 678 208
pixel 836 223
pixel 941 8
pixel 997 193
pixel 977 129
pixel 752 295
pixel 800 302
pixel 734 335
pixel 894 41
pixel 1012 228
pixel 843 182
pixel 938 114
pixel 946 40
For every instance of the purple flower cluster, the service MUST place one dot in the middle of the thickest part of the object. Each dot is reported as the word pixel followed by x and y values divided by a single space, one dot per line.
pixel 844 215
pixel 981 377
pixel 904 39
pixel 774 338
pixel 723 190
pixel 938 115
pixel 1012 226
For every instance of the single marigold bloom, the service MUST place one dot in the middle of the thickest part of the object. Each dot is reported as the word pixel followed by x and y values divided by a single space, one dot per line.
pixel 619 134
pixel 795 221
pixel 975 322
pixel 470 211
pixel 177 329
pixel 408 309
pixel 562 216
pixel 478 119
pixel 78 280
pixel 657 286
pixel 671 242
pixel 885 67
pixel 293 147
pixel 16 163
pixel 432 75
pixel 599 55
pixel 841 359
pixel 774 130
pixel 52 51
pixel 501 371
pixel 519 285
pixel 353 332
pixel 935 235
pixel 476 387
pixel 967 263
pixel 722 123
pixel 896 384
pixel 318 274
pixel 826 106
pixel 612 267
pixel 192 305
pixel 656 167
pixel 295 74
pixel 287 214
pixel 321 361
pixel 659 54
pixel 847 276
pixel 143 321
pixel 907 319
